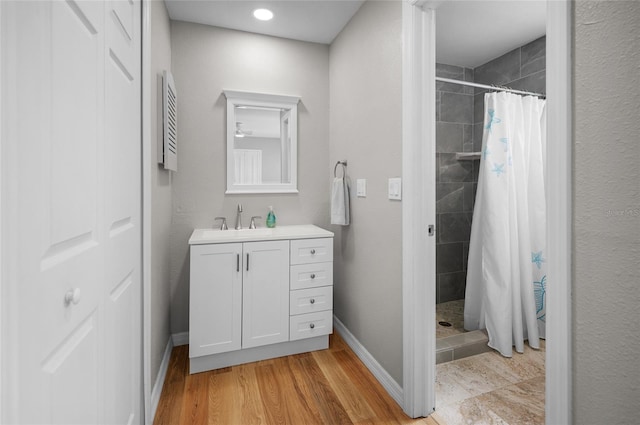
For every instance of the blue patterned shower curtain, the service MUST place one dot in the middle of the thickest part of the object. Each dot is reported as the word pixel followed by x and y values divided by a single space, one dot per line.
pixel 506 272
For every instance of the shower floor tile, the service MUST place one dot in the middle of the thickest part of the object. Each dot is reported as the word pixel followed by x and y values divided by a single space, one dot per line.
pixel 451 312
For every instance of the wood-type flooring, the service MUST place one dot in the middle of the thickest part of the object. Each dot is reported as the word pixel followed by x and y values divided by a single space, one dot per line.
pixel 323 387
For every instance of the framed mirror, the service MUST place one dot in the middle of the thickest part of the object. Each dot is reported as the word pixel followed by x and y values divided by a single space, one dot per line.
pixel 262 140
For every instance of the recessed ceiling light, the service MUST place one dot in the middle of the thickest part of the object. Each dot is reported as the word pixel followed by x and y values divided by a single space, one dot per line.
pixel 263 14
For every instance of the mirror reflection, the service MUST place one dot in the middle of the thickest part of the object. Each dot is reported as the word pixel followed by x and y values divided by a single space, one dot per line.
pixel 261 143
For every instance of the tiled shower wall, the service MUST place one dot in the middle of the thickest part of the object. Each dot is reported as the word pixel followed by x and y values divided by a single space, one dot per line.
pixel 459 125
pixel 455 181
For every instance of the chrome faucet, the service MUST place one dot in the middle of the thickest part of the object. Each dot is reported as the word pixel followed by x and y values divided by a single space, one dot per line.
pixel 239 217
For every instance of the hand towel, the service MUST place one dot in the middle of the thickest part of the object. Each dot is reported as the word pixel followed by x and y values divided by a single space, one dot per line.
pixel 340 202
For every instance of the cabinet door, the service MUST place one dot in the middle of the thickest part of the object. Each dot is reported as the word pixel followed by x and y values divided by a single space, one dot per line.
pixel 215 307
pixel 265 293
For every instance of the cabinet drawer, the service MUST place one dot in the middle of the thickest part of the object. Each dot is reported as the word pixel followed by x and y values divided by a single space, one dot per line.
pixel 306 276
pixel 310 300
pixel 310 325
pixel 305 251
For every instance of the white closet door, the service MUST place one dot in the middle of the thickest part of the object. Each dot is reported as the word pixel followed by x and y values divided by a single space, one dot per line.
pixel 121 225
pixel 71 115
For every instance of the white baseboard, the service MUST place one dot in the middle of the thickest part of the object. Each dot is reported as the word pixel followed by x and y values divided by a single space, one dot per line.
pixel 387 382
pixel 162 374
pixel 181 338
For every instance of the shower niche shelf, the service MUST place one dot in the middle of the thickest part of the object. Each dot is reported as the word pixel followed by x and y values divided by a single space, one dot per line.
pixel 468 156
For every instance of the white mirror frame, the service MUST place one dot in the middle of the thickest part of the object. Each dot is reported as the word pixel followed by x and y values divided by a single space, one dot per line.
pixel 240 98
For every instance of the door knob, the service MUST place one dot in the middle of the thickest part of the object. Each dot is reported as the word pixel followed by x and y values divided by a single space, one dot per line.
pixel 72 296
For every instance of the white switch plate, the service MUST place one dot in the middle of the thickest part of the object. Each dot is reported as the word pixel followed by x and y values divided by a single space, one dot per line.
pixel 361 188
pixel 395 188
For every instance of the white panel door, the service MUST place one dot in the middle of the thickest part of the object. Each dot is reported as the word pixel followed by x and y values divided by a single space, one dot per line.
pixel 265 289
pixel 215 305
pixel 122 229
pixel 73 180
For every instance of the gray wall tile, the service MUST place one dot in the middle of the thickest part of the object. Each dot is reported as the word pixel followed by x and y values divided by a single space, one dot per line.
pixel 452 170
pixel 456 107
pixel 449 137
pixel 469 196
pixel 501 70
pixel 536 83
pixel 467 138
pixel 449 71
pixel 533 57
pixel 455 227
pixel 448 257
pixel 450 197
pixel 452 286
pixel 478 108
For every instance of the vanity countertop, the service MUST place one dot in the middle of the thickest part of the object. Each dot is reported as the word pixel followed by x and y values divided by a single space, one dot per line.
pixel 304 231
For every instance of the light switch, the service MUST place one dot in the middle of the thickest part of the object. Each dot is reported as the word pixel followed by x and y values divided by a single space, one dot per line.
pixel 361 188
pixel 395 188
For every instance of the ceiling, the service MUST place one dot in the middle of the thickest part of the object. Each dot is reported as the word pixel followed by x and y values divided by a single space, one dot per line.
pixel 472 32
pixel 468 32
pixel 317 21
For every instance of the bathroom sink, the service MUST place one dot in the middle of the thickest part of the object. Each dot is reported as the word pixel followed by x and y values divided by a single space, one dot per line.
pixel 232 233
pixel 208 236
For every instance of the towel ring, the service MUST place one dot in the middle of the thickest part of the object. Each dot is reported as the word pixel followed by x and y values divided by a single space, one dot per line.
pixel 344 168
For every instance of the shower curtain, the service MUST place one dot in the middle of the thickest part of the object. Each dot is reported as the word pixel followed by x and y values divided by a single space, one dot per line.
pixel 506 272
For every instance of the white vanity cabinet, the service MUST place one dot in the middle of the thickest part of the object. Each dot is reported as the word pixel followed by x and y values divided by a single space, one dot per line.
pixel 265 293
pixel 215 304
pixel 258 294
pixel 239 296
pixel 311 283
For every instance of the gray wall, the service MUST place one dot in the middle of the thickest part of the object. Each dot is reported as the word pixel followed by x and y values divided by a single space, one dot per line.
pixel 366 129
pixel 523 68
pixel 205 61
pixel 459 128
pixel 160 191
pixel 606 286
pixel 455 181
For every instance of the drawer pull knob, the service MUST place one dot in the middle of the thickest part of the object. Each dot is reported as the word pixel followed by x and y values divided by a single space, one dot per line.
pixel 312 300
pixel 311 325
pixel 72 296
pixel 313 251
pixel 313 276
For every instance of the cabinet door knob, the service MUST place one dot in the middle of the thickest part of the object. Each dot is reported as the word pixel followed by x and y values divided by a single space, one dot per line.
pixel 72 296
pixel 311 325
pixel 313 251
pixel 312 300
pixel 313 276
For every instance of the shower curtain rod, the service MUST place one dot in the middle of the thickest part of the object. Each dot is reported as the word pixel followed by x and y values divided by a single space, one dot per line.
pixel 485 86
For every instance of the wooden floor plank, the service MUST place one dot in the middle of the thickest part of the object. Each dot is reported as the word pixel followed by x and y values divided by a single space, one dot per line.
pixel 196 400
pixel 246 391
pixel 169 410
pixel 355 404
pixel 271 394
pixel 324 387
pixel 384 407
pixel 298 404
pixel 331 410
pixel 223 405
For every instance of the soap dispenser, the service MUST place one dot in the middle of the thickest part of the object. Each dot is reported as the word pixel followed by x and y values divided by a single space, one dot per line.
pixel 271 218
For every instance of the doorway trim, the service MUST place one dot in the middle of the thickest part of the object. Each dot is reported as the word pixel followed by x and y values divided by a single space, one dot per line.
pixel 418 172
pixel 418 282
pixel 146 201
